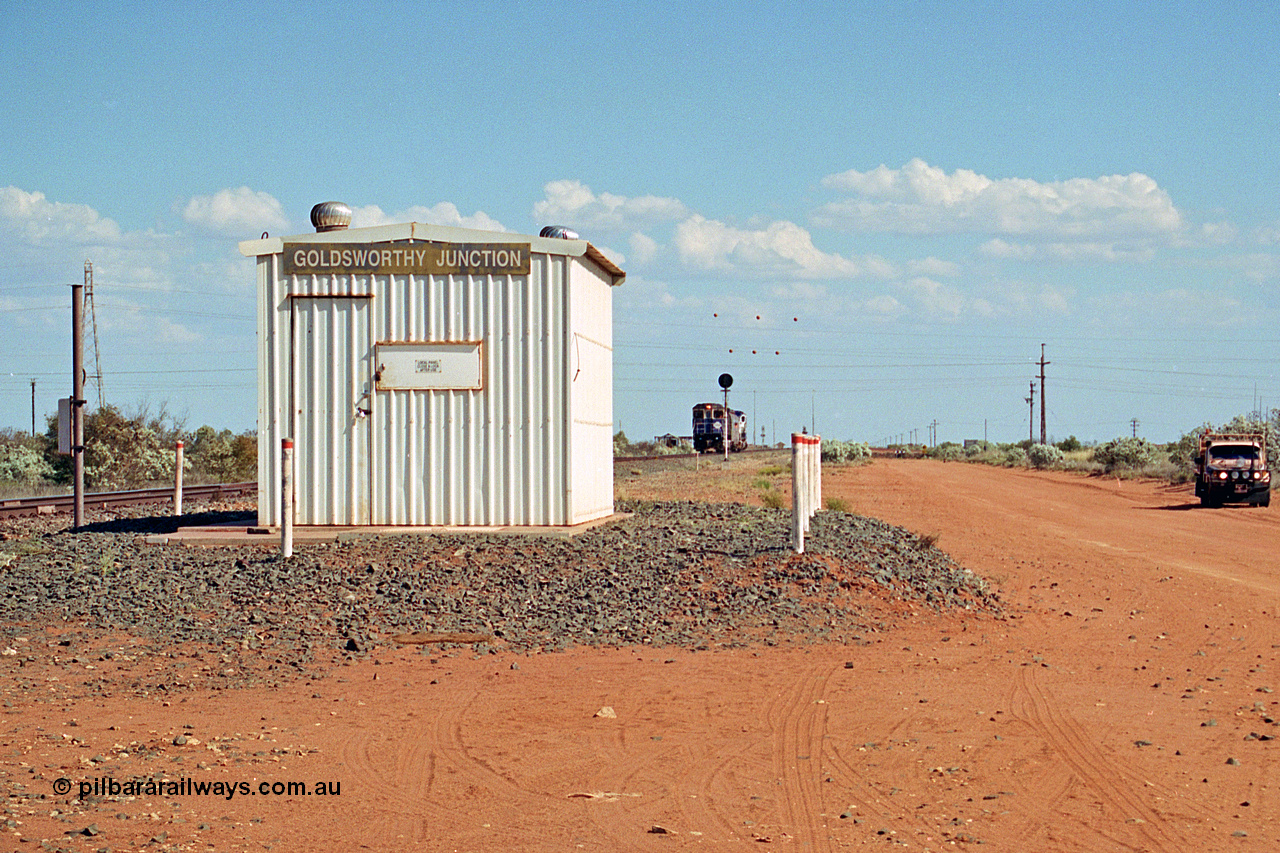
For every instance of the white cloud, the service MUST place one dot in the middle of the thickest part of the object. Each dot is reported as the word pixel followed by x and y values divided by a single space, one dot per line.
pixel 442 213
pixel 131 321
pixel 1218 233
pixel 935 298
pixel 923 199
pixel 33 218
pixel 1256 266
pixel 613 254
pixel 933 266
pixel 801 291
pixel 643 248
pixel 1067 251
pixel 572 203
pixel 238 212
pixel 884 305
pixel 1174 307
pixel 1268 234
pixel 780 249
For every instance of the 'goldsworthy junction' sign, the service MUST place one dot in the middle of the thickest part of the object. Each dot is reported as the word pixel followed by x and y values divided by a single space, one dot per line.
pixel 406 259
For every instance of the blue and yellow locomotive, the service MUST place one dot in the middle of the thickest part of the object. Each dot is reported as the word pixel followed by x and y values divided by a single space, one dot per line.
pixel 709 424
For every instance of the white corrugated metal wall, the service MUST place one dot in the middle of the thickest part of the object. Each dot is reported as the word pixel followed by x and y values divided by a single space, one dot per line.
pixel 520 451
pixel 591 395
pixel 494 456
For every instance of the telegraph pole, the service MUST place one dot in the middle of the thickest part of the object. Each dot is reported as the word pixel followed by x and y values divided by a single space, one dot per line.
pixel 1042 364
pixel 1134 423
pixel 33 408
pixel 1031 414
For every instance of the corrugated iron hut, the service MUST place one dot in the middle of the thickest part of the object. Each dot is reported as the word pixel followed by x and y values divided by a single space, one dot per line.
pixel 435 376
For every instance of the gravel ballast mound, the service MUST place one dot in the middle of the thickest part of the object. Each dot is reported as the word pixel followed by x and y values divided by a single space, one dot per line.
pixel 673 573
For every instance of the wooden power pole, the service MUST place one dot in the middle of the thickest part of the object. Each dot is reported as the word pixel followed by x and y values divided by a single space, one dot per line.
pixel 1031 413
pixel 1043 439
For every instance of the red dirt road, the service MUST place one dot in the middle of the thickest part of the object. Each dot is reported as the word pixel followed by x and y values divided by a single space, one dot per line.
pixel 1123 704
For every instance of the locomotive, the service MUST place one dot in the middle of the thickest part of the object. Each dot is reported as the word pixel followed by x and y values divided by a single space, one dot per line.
pixel 709 428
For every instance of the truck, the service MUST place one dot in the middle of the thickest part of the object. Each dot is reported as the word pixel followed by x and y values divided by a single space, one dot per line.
pixel 1231 467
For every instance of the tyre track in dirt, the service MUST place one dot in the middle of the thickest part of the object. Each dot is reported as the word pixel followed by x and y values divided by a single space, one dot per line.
pixel 400 772
pixel 451 744
pixel 621 775
pixel 404 797
pixel 1102 772
pixel 858 789
pixel 798 719
pixel 697 789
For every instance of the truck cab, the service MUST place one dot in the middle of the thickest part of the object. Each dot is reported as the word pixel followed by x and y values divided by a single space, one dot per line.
pixel 1232 468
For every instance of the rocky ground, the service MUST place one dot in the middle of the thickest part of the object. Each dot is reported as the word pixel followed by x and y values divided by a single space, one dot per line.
pixel 668 574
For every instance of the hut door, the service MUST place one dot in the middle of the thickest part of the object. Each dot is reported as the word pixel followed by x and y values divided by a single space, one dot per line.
pixel 331 385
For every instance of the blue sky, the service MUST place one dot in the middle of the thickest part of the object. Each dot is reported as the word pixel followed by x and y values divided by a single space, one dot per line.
pixel 910 197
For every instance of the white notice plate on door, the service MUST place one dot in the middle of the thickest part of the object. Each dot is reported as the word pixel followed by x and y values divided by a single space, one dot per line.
pixel 451 366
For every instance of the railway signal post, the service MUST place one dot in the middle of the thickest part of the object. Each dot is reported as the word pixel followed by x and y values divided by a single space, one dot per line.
pixel 725 381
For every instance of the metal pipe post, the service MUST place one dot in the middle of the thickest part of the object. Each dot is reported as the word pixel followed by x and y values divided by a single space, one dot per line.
pixel 797 491
pixel 177 478
pixel 286 498
pixel 726 425
pixel 77 402
pixel 816 502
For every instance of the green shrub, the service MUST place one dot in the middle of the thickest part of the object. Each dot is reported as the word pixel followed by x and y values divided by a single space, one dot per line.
pixel 1045 456
pixel 221 457
pixel 620 444
pixel 845 451
pixel 948 451
pixel 1069 445
pixel 1127 454
pixel 22 462
pixel 125 451
pixel 1014 457
pixel 772 499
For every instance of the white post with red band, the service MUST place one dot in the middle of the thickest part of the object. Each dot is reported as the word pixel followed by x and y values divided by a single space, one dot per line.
pixel 177 478
pixel 286 497
pixel 806 484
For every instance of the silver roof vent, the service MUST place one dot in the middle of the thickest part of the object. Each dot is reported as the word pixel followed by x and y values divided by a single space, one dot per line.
pixel 559 231
pixel 331 216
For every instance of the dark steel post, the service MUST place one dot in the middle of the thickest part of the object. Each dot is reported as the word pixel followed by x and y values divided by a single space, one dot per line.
pixel 726 425
pixel 77 400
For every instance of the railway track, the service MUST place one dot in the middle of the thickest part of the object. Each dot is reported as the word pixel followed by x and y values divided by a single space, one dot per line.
pixel 691 455
pixel 50 504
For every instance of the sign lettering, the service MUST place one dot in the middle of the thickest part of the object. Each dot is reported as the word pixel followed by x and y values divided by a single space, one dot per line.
pixel 406 259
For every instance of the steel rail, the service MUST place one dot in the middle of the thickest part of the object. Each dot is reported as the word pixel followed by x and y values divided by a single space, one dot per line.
pixel 51 504
pixel 690 455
